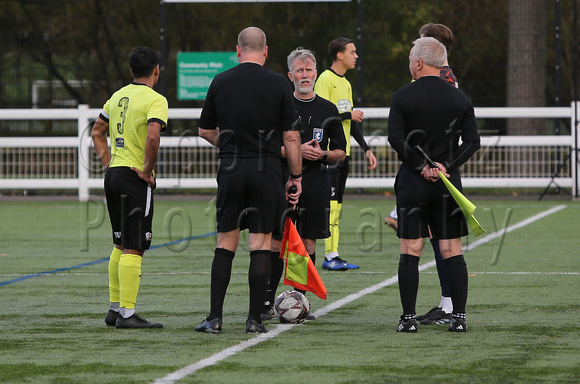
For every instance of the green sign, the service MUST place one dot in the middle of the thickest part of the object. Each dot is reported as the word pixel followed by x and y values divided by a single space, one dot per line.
pixel 196 70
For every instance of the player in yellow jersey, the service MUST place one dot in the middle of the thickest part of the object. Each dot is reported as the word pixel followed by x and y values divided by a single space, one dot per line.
pixel 134 117
pixel 333 86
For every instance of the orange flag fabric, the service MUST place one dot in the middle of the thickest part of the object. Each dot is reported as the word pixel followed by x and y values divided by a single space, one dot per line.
pixel 299 271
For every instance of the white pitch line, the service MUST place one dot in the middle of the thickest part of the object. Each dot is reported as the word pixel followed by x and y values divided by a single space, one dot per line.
pixel 217 357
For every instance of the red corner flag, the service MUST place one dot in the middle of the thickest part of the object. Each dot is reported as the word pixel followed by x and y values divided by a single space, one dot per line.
pixel 299 272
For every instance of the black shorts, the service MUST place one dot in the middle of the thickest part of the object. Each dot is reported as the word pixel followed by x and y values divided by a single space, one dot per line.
pixel 314 205
pixel 338 176
pixel 250 194
pixel 423 205
pixel 130 205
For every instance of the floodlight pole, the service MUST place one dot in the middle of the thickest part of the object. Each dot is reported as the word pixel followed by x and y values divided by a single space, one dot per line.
pixel 360 51
pixel 162 84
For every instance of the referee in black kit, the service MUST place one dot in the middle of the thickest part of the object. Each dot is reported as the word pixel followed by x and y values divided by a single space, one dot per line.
pixel 323 146
pixel 434 115
pixel 254 109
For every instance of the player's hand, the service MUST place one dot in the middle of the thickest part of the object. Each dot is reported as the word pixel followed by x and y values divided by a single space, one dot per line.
pixel 433 174
pixel 372 159
pixel 291 195
pixel 356 115
pixel 311 150
pixel 147 176
pixel 442 169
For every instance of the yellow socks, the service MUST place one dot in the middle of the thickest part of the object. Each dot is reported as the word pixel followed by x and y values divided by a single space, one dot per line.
pixel 114 294
pixel 129 279
pixel 331 243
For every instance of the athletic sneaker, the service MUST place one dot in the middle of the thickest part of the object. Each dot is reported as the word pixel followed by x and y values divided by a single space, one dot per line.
pixel 136 321
pixel 338 264
pixel 437 317
pixel 428 314
pixel 210 326
pixel 111 318
pixel 252 326
pixel 457 325
pixel 267 311
pixel 409 326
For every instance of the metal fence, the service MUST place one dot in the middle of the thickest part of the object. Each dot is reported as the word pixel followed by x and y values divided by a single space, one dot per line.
pixel 188 162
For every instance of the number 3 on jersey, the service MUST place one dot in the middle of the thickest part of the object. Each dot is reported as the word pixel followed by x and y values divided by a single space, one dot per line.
pixel 123 104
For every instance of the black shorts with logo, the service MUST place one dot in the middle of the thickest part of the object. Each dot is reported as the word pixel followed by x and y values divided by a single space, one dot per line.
pixel 250 194
pixel 130 205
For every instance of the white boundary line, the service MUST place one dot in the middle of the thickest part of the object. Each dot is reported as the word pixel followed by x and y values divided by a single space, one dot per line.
pixel 217 357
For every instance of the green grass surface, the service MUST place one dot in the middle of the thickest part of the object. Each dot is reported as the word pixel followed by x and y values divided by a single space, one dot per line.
pixel 522 312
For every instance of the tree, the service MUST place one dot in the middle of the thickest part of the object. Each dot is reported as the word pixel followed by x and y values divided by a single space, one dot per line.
pixel 526 70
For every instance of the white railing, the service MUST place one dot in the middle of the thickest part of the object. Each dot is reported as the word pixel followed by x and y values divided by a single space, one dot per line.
pixel 188 162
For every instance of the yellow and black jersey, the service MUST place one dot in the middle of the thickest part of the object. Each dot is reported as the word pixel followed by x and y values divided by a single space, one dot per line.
pixel 128 113
pixel 336 89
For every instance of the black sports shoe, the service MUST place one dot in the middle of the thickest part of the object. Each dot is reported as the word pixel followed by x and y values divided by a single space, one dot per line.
pixel 310 317
pixel 437 317
pixel 267 311
pixel 111 318
pixel 252 326
pixel 457 325
pixel 427 315
pixel 136 321
pixel 212 326
pixel 409 326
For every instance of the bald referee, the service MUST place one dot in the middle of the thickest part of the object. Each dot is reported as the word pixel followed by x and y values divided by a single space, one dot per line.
pixel 254 109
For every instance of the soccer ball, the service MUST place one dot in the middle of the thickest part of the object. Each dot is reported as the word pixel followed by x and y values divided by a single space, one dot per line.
pixel 291 307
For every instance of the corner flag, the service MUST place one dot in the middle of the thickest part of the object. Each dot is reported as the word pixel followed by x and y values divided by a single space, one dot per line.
pixel 299 271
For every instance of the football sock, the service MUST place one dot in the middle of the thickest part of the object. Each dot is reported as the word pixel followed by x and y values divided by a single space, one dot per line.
pixel 408 282
pixel 129 279
pixel 258 277
pixel 114 294
pixel 459 315
pixel 221 272
pixel 446 304
pixel 276 271
pixel 441 269
pixel 313 257
pixel 331 243
pixel 458 284
pixel 128 312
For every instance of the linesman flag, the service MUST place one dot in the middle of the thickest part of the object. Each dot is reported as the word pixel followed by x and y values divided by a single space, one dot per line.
pixel 299 271
pixel 467 207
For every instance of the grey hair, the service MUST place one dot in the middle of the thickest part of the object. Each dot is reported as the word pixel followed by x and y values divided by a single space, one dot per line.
pixel 430 50
pixel 302 54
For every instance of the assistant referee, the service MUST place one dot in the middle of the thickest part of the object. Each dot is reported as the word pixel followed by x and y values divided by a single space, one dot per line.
pixel 435 115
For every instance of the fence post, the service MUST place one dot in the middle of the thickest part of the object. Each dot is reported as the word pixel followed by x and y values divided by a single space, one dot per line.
pixel 83 151
pixel 574 159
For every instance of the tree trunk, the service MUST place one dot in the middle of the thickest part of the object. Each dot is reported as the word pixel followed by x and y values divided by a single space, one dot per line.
pixel 526 77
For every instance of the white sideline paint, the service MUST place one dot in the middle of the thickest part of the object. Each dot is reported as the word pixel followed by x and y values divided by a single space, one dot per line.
pixel 217 357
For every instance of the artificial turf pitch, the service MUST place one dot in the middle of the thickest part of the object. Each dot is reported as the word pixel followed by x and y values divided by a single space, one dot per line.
pixel 522 312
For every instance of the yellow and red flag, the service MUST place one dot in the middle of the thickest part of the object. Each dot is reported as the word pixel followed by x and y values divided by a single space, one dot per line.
pixel 299 271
